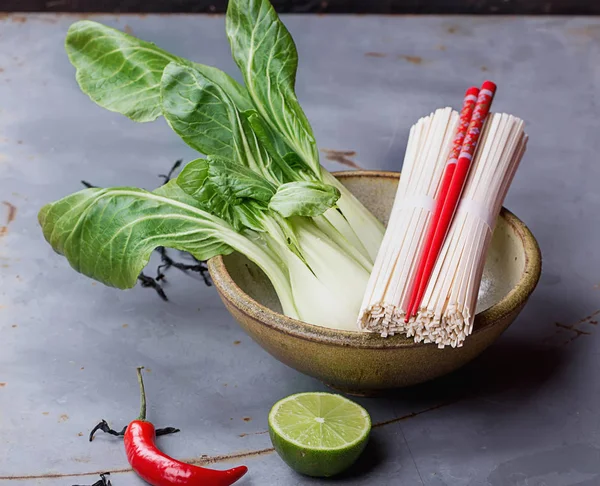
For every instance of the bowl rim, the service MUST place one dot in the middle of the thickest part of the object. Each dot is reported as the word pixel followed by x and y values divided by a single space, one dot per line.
pixel 509 304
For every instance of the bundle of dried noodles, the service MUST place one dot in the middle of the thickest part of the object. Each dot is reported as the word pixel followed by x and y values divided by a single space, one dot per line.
pixel 446 312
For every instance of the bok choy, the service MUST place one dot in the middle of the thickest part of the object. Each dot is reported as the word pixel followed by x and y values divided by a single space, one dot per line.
pixel 260 190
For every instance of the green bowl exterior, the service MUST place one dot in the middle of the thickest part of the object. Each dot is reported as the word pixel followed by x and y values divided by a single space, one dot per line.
pixel 365 363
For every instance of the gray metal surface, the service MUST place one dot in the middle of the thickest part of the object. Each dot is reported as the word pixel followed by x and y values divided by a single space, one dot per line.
pixel 525 413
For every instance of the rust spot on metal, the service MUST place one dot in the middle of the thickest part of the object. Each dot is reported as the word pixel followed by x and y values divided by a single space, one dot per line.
pixel 125 326
pixel 1 70
pixel 47 18
pixel 242 435
pixel 13 326
pixel 63 417
pixel 2 385
pixel 341 157
pixel 247 419
pixel 80 434
pixel 415 414
pixel 572 328
pixel 484 69
pixel 235 343
pixel 12 212
pixel 45 413
pixel 375 54
pixel 575 328
pixel 148 370
pixel 229 457
pixel 84 459
pixel 441 47
pixel 588 32
pixel 587 318
pixel 412 59
pixel 18 19
pixel 452 29
pixel 127 29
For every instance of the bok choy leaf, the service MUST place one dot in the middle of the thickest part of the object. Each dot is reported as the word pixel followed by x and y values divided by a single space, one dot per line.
pixel 122 73
pixel 266 54
pixel 207 119
pixel 109 234
pixel 304 199
pixel 229 190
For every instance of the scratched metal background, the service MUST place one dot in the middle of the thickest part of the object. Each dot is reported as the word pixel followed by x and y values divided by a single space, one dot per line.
pixel 525 413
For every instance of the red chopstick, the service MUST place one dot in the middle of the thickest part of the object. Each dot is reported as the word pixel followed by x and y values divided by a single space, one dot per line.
pixel 465 119
pixel 482 108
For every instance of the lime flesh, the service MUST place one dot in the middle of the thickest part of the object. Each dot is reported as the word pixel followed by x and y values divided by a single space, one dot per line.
pixel 319 434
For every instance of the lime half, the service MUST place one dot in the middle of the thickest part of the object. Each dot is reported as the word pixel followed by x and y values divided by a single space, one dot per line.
pixel 319 434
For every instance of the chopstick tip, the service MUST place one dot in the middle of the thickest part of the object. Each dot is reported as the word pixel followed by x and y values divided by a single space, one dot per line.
pixel 489 85
pixel 472 91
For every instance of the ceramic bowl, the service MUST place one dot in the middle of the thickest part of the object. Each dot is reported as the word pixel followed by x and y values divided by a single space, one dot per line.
pixel 364 363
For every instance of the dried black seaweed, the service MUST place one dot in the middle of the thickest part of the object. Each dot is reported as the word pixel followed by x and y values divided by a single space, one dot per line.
pixel 167 262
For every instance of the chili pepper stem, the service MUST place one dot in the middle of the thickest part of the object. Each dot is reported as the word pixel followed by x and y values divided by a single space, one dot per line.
pixel 142 415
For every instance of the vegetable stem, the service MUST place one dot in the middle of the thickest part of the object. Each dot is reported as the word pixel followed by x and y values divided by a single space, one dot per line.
pixel 142 415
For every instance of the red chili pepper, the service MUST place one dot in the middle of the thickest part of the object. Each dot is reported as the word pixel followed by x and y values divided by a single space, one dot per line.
pixel 158 469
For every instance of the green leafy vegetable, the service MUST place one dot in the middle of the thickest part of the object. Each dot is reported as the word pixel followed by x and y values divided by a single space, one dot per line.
pixel 304 199
pixel 229 179
pixel 199 111
pixel 122 73
pixel 206 118
pixel 266 54
pixel 261 190
pixel 133 223
pixel 229 190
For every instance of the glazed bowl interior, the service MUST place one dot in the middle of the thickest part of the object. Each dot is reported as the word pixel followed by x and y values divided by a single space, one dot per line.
pixel 504 268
